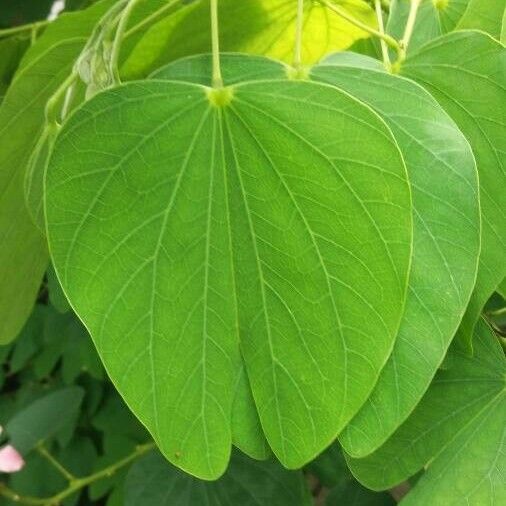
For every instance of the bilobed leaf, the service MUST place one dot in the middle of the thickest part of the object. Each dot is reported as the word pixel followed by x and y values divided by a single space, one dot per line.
pixel 483 15
pixel 434 18
pixel 446 242
pixel 458 430
pixel 42 419
pixel 23 250
pixel 186 233
pixel 265 27
pixel 152 481
pixel 465 71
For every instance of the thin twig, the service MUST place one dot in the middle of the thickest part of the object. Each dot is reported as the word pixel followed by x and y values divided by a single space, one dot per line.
pixel 390 41
pixel 76 484
pixel 59 467
pixel 381 26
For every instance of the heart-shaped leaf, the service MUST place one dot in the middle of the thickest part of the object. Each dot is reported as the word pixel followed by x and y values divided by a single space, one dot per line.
pixel 446 242
pixel 465 72
pixel 190 226
pixel 458 431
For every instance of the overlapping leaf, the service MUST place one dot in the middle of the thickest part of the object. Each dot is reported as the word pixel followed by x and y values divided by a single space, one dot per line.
pixel 186 233
pixel 23 255
pixel 265 27
pixel 466 73
pixel 446 240
pixel 458 430
pixel 434 18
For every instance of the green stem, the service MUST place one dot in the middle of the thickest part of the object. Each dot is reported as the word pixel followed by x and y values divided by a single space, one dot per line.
pixel 52 104
pixel 297 53
pixel 66 474
pixel 76 484
pixel 215 39
pixel 118 38
pixel 149 19
pixel 410 23
pixel 5 32
pixel 389 40
pixel 381 26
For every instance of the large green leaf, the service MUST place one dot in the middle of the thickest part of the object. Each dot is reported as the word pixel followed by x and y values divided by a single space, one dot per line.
pixel 194 228
pixel 466 73
pixel 458 430
pixel 23 254
pixel 434 18
pixel 154 482
pixel 446 241
pixel 252 26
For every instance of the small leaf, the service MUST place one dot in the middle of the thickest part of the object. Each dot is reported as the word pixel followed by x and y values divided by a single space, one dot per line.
pixel 452 68
pixel 152 481
pixel 446 241
pixel 457 431
pixel 43 418
pixel 304 274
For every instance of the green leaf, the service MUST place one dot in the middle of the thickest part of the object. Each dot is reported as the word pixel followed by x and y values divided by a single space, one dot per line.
pixel 154 482
pixel 434 18
pixel 483 15
pixel 452 68
pixel 446 242
pixel 458 431
pixel 23 250
pixel 43 418
pixel 265 27
pixel 193 262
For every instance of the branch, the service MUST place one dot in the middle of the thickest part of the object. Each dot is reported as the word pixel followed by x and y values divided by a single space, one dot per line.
pixel 75 484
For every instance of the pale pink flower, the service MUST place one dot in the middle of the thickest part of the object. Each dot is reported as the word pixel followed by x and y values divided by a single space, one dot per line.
pixel 10 459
